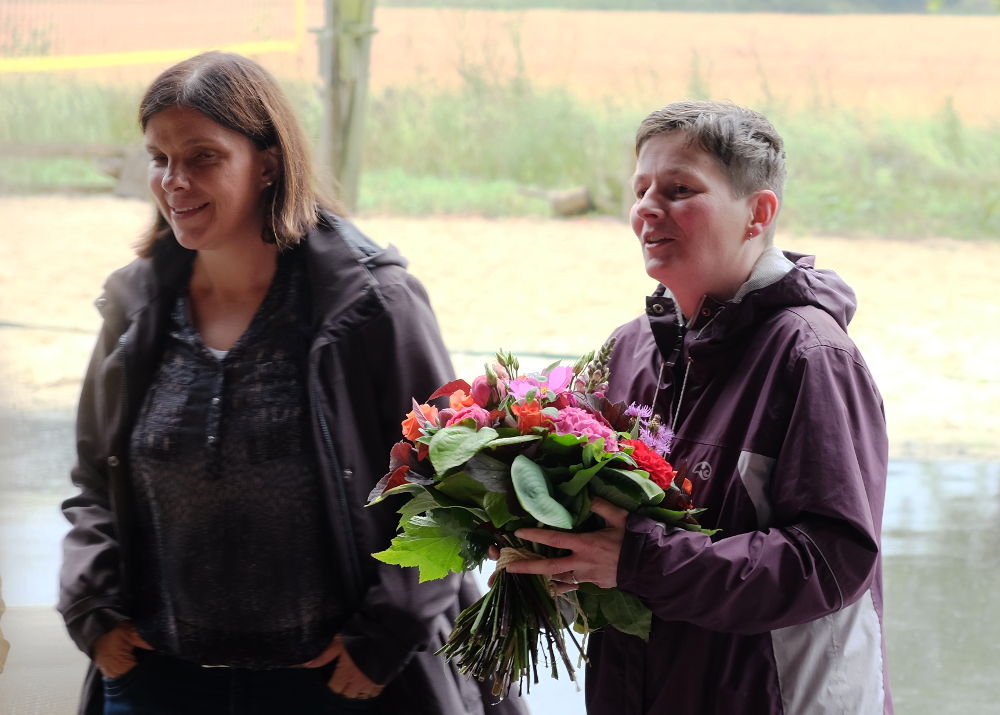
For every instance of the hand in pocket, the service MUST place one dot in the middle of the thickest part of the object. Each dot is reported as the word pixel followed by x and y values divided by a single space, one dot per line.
pixel 114 652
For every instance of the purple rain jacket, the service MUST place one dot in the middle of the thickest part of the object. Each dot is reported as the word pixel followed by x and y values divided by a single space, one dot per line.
pixel 781 428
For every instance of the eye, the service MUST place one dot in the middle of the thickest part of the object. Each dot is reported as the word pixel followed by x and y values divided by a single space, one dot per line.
pixel 680 190
pixel 640 192
pixel 205 155
pixel 157 159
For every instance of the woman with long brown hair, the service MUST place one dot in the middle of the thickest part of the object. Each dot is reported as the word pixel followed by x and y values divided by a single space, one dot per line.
pixel 239 406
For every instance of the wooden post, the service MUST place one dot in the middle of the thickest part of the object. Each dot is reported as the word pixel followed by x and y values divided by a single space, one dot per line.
pixel 344 52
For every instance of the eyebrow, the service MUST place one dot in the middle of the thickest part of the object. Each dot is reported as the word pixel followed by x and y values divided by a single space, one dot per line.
pixel 194 141
pixel 682 170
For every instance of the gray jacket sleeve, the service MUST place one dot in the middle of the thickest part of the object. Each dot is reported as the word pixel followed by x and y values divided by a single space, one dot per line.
pixel 90 577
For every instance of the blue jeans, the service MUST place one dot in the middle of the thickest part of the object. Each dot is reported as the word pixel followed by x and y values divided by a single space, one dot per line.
pixel 161 685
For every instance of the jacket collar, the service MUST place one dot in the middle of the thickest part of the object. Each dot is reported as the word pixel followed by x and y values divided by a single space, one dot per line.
pixel 337 258
pixel 342 288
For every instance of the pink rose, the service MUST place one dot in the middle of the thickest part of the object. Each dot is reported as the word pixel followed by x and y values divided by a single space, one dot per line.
pixel 473 412
pixel 481 391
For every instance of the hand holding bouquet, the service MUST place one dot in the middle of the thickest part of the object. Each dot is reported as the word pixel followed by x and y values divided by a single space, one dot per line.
pixel 516 451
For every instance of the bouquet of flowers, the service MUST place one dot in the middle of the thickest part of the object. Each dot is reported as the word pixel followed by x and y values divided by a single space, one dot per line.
pixel 516 451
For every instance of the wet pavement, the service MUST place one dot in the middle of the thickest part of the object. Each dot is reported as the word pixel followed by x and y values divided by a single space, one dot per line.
pixel 941 539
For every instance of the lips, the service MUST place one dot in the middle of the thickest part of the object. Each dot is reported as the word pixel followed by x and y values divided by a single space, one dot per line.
pixel 181 212
pixel 655 240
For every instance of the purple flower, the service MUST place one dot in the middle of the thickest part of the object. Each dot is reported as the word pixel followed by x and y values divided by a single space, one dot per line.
pixel 657 439
pixel 573 420
pixel 641 411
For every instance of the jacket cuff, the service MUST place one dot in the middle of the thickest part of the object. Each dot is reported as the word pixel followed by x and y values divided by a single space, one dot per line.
pixel 87 628
pixel 638 529
pixel 378 649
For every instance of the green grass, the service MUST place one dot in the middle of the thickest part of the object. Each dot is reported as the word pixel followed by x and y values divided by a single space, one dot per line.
pixel 482 147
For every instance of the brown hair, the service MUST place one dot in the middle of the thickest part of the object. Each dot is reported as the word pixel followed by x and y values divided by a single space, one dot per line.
pixel 239 94
pixel 744 142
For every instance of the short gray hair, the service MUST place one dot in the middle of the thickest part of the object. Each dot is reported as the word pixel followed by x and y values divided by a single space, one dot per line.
pixel 744 142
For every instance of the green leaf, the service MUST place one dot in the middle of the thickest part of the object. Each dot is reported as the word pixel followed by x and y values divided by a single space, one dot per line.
pixel 504 441
pixel 461 487
pixel 419 504
pixel 453 446
pixel 626 613
pixel 496 507
pixel 621 493
pixel 581 479
pixel 580 507
pixel 652 493
pixel 427 548
pixel 532 489
pixel 564 445
pixel 666 516
pixel 493 474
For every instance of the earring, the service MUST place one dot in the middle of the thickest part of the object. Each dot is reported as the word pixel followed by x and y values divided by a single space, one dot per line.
pixel 750 233
pixel 268 183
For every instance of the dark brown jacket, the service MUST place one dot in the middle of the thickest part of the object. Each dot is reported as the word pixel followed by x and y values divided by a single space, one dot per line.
pixel 375 346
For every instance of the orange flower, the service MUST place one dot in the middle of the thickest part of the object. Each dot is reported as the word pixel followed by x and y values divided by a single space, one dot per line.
pixel 459 399
pixel 530 415
pixel 411 427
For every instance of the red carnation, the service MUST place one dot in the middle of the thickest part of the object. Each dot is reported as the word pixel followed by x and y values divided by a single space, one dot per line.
pixel 659 469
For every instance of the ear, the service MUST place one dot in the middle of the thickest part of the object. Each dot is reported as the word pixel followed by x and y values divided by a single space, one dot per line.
pixel 763 206
pixel 271 170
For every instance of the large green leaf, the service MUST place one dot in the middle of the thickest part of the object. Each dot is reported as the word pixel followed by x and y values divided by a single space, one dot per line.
pixel 626 613
pixel 622 493
pixel 493 474
pixel 580 479
pixel 427 548
pixel 532 489
pixel 497 508
pixel 453 446
pixel 652 493
pixel 461 487
pixel 568 447
pixel 504 441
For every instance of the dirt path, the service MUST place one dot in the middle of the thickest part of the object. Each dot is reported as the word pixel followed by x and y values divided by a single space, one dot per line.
pixel 538 286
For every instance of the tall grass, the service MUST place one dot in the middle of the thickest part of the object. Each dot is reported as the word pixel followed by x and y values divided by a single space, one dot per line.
pixel 488 146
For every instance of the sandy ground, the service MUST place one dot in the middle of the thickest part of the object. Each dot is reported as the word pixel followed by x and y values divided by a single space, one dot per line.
pixel 927 321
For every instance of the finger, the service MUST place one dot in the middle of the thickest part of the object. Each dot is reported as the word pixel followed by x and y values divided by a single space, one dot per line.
pixel 542 567
pixel 137 641
pixel 612 515
pixel 343 680
pixel 559 539
pixel 329 653
pixel 493 552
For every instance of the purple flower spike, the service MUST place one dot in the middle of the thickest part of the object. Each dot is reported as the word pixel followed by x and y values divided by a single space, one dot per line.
pixel 641 411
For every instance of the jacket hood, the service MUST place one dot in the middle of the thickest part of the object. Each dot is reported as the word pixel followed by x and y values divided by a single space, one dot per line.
pixel 803 285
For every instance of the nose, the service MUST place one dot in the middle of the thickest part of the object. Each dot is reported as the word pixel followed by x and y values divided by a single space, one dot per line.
pixel 648 208
pixel 174 177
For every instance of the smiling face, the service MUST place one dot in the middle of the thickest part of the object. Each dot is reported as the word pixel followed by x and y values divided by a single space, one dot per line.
pixel 207 180
pixel 693 229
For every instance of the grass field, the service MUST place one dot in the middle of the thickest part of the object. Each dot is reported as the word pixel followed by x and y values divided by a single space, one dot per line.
pixel 470 109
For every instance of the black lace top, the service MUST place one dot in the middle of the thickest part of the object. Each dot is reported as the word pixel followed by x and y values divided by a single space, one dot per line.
pixel 233 527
